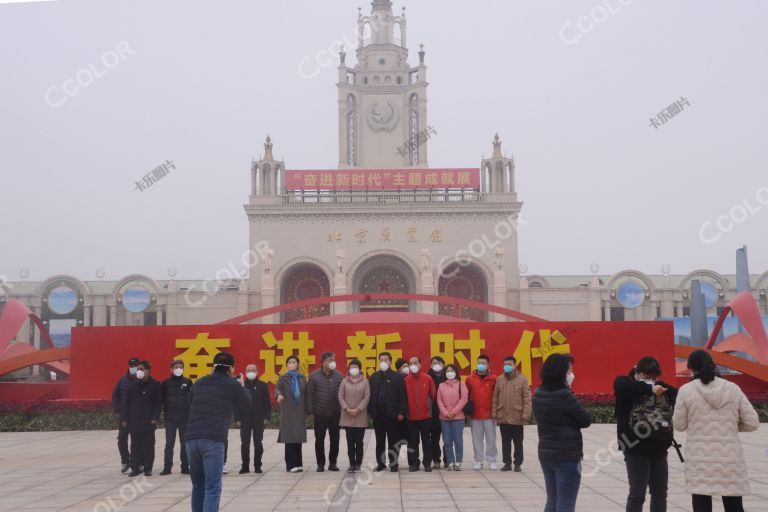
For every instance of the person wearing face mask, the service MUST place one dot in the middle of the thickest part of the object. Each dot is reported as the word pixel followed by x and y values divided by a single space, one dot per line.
pixel 118 392
pixel 175 395
pixel 713 411
pixel 421 393
pixel 452 396
pixel 402 367
pixel 354 395
pixel 323 403
pixel 291 396
pixel 387 406
pixel 251 420
pixel 559 420
pixel 140 414
pixel 438 375
pixel 511 410
pixel 480 385
pixel 213 400
pixel 645 450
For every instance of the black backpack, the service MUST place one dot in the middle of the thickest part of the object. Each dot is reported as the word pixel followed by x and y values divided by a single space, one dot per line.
pixel 651 418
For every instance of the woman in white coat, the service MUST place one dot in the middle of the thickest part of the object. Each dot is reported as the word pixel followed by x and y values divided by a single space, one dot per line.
pixel 713 411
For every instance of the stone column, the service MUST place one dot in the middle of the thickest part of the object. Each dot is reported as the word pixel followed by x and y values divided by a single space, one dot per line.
pixel 594 300
pixel 268 297
pixel 339 288
pixel 607 310
pixel 500 294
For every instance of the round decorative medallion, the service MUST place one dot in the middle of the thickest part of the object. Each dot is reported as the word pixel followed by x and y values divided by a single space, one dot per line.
pixel 382 116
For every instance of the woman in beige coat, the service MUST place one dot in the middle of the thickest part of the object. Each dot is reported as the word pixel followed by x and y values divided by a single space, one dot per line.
pixel 713 411
pixel 354 395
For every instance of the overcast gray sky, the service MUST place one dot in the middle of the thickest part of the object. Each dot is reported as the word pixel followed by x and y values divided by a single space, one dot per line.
pixel 205 81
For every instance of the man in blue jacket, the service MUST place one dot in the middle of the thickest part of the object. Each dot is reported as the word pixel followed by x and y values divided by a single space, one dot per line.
pixel 118 392
pixel 213 400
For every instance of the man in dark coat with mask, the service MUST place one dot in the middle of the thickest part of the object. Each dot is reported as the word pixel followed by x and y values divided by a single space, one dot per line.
pixel 140 414
pixel 118 392
pixel 176 409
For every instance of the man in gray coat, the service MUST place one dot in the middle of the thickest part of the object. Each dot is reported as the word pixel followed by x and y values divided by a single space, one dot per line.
pixel 323 403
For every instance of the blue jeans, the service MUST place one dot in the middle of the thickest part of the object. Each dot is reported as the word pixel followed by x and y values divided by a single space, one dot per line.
pixel 562 480
pixel 453 440
pixel 206 462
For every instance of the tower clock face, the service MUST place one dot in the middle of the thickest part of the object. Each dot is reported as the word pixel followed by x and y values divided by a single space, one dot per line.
pixel 382 116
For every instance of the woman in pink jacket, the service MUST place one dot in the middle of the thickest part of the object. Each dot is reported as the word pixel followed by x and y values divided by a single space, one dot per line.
pixel 451 399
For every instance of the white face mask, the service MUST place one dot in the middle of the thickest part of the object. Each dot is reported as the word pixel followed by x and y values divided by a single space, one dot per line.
pixel 251 375
pixel 384 366
pixel 650 381
pixel 354 371
pixel 570 378
pixel 332 365
pixel 178 372
pixel 437 367
pixel 132 370
pixel 405 370
pixel 140 374
pixel 414 368
pixel 450 375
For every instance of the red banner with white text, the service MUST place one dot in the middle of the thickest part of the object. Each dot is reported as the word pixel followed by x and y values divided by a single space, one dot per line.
pixel 377 179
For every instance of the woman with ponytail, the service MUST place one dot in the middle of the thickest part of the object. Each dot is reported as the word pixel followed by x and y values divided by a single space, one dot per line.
pixel 713 411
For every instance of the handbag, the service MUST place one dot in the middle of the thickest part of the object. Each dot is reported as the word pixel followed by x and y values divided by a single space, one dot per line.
pixel 469 408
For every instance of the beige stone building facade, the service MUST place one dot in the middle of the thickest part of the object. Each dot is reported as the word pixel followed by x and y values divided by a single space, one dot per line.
pixel 382 222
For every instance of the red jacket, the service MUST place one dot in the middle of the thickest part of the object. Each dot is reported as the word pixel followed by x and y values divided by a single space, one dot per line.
pixel 421 392
pixel 481 394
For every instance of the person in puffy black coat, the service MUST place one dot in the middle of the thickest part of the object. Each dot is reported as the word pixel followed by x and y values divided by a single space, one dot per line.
pixel 560 418
pixel 175 394
pixel 118 392
pixel 140 414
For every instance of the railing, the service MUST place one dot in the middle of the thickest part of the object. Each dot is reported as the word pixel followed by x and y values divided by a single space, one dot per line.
pixel 331 197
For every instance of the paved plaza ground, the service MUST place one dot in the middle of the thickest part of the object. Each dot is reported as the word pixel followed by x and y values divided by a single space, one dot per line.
pixel 79 471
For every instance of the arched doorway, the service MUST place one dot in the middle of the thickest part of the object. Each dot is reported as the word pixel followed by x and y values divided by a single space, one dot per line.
pixel 305 281
pixel 464 281
pixel 385 274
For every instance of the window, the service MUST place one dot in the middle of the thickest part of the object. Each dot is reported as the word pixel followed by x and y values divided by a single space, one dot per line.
pixel 351 131
pixel 413 128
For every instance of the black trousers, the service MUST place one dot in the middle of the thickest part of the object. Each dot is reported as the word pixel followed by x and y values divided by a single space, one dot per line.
pixel 511 434
pixel 419 429
pixel 331 425
pixel 434 434
pixel 386 431
pixel 257 431
pixel 122 445
pixel 293 457
pixel 647 472
pixel 702 503
pixel 170 442
pixel 355 436
pixel 143 450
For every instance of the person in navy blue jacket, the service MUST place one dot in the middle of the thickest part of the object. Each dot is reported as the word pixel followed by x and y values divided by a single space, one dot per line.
pixel 140 414
pixel 118 392
pixel 213 402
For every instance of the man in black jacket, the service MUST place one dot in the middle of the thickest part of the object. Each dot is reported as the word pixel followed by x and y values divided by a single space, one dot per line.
pixel 438 375
pixel 176 411
pixel 140 413
pixel 118 392
pixel 323 402
pixel 213 400
pixel 387 406
pixel 251 421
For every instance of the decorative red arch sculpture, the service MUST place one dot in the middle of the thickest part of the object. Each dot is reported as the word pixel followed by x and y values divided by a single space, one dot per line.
pixel 306 304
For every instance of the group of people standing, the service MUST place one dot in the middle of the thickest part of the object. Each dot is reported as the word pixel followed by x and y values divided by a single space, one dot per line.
pixel 410 407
